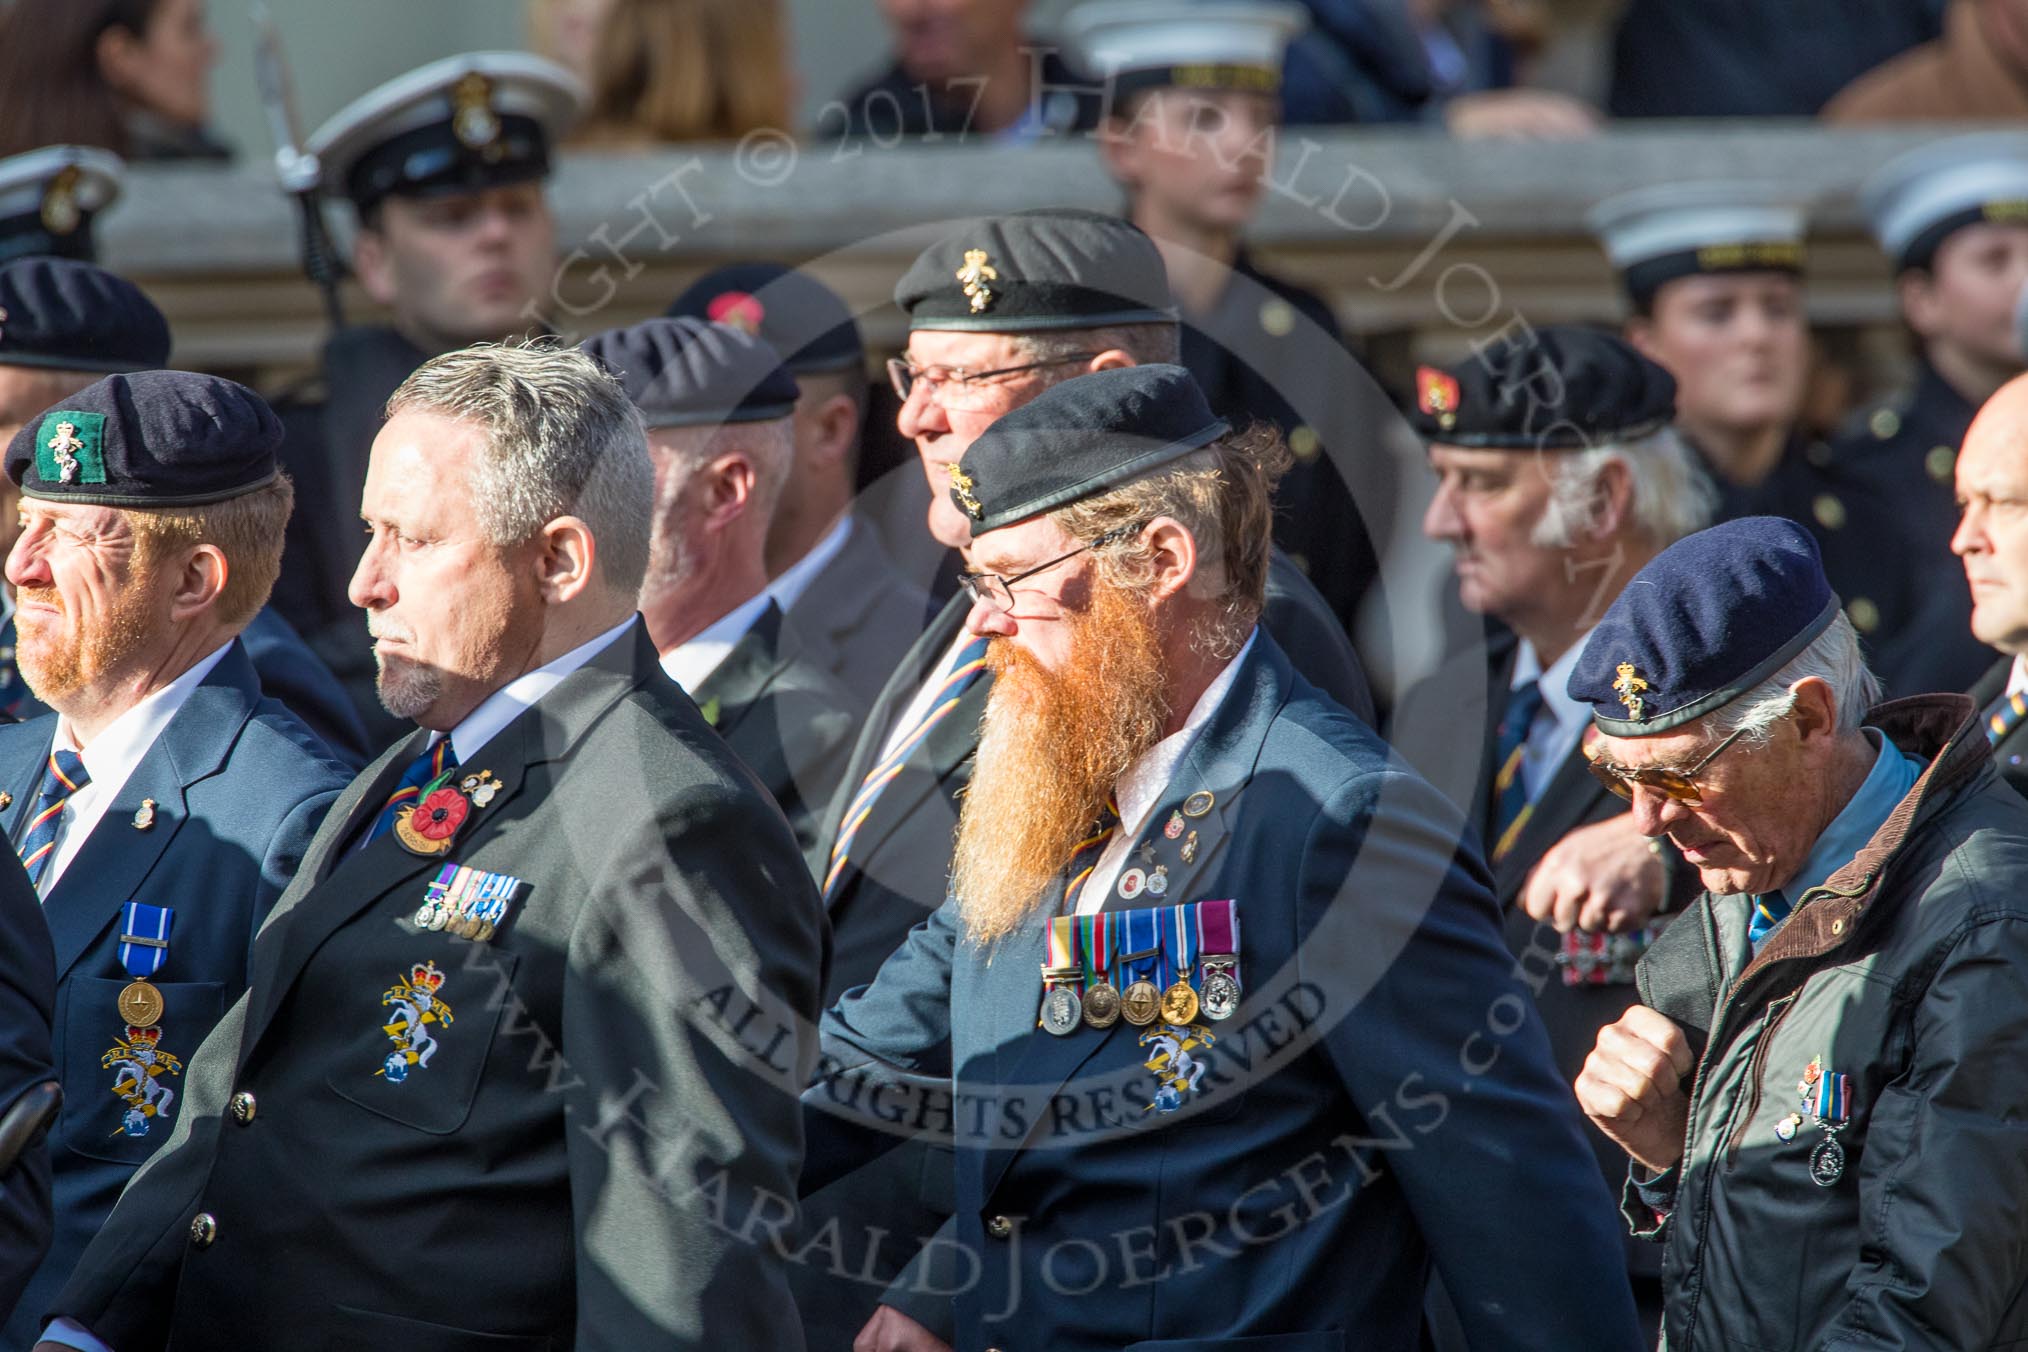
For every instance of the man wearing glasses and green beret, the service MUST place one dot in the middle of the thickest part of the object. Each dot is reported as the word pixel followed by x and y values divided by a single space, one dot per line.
pixel 1819 1091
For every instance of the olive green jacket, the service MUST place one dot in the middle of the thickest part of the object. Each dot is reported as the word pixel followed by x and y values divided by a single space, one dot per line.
pixel 1906 972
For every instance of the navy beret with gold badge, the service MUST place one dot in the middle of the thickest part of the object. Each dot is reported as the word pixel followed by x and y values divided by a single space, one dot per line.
pixel 1558 389
pixel 690 372
pixel 1079 438
pixel 1707 620
pixel 1034 271
pixel 794 313
pixel 149 439
pixel 65 315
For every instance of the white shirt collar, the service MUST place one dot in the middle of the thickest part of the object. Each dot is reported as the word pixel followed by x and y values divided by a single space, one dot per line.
pixel 1142 786
pixel 112 758
pixel 691 662
pixel 1550 741
pixel 2017 675
pixel 797 577
pixel 501 707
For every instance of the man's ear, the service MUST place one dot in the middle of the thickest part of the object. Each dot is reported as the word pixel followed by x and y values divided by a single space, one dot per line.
pixel 1640 331
pixel 373 264
pixel 199 583
pixel 1112 359
pixel 725 489
pixel 1174 551
pixel 1816 712
pixel 564 560
pixel 836 424
pixel 1614 506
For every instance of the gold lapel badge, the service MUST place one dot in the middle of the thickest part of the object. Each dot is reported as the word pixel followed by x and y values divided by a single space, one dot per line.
pixel 974 275
pixel 144 816
pixel 1629 687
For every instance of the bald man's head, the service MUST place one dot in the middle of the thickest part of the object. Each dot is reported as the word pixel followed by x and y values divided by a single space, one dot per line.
pixel 1992 534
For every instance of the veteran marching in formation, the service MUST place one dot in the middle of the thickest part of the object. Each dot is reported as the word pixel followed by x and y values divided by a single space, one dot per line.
pixel 526 842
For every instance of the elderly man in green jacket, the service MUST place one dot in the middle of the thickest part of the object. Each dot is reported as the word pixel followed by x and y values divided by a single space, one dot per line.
pixel 1821 1090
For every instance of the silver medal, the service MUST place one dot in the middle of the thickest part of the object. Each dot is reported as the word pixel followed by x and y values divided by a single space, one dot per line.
pixel 1062 1011
pixel 1827 1162
pixel 1221 994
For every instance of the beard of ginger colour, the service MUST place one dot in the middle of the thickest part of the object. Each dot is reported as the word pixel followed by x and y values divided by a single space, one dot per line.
pixel 1052 746
pixel 57 663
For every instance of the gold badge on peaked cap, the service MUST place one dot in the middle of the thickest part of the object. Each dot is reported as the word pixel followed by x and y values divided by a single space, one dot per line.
pixel 974 275
pixel 473 120
pixel 60 212
pixel 1628 687
pixel 961 484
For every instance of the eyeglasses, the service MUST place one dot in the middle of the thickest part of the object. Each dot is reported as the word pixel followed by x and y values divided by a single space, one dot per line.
pixel 1678 785
pixel 998 592
pixel 905 373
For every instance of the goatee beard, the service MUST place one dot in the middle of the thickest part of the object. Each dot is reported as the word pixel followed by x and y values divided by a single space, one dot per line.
pixel 1052 746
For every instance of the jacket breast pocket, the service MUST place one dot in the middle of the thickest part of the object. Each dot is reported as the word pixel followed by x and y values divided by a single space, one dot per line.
pixel 123 1085
pixel 420 1055
pixel 369 1328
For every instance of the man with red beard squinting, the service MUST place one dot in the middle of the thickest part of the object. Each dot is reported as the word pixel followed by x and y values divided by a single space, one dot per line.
pixel 1216 1016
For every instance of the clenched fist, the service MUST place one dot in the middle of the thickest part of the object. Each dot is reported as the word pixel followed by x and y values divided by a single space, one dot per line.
pixel 1632 1087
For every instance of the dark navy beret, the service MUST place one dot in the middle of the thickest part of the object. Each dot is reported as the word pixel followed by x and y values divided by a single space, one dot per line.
pixel 1056 268
pixel 150 439
pixel 1561 388
pixel 72 316
pixel 1079 438
pixel 690 372
pixel 794 313
pixel 1707 620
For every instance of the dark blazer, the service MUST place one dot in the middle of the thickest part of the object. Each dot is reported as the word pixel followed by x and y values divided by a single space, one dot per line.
pixel 787 721
pixel 857 614
pixel 2010 757
pixel 239 788
pixel 1358 1120
pixel 27 1009
pixel 290 674
pixel 903 853
pixel 625 1047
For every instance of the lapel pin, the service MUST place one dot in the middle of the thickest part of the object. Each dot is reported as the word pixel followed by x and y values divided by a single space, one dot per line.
pixel 1198 803
pixel 6 799
pixel 144 816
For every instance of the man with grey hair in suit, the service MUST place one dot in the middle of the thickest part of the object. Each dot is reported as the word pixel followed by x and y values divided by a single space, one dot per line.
pixel 524 1033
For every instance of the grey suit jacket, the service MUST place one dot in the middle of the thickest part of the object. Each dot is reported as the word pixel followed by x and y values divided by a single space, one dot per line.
pixel 613 1080
pixel 858 615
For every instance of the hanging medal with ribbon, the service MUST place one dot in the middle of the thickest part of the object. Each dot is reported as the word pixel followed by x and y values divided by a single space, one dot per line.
pixel 137 1059
pixel 1218 923
pixel 1139 960
pixel 1179 943
pixel 144 947
pixel 1061 1008
pixel 1830 1108
pixel 1096 933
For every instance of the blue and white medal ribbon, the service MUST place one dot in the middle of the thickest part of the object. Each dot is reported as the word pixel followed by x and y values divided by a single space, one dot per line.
pixel 144 947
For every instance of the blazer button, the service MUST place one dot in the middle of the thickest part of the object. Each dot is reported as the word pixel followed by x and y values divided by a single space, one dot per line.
pixel 243 1107
pixel 999 1227
pixel 203 1230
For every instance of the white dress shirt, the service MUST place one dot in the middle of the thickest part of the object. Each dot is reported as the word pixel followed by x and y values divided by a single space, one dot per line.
pixel 1140 789
pixel 2017 676
pixel 111 758
pixel 1560 722
pixel 691 662
pixel 797 577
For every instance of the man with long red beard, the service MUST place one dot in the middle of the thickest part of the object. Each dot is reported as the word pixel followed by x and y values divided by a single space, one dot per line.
pixel 1283 1062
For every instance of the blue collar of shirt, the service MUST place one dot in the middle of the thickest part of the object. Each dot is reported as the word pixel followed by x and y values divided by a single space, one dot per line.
pixel 1887 783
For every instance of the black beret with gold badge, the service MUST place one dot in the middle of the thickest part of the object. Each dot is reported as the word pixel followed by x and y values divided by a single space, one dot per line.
pixel 1034 271
pixel 1557 388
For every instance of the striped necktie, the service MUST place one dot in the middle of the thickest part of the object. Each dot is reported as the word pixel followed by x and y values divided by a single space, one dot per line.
pixel 2008 712
pixel 1769 910
pixel 1510 788
pixel 63 776
pixel 964 669
pixel 1086 856
pixel 422 771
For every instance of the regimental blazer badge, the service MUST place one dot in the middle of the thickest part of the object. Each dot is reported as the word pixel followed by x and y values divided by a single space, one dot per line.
pixel 1628 685
pixel 138 1065
pixel 1177 1072
pixel 416 1006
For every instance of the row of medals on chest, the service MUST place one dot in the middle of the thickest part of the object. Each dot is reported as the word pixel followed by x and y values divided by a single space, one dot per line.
pixel 1104 1004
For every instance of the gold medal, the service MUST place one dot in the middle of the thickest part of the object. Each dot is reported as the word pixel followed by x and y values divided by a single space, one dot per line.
pixel 1179 1004
pixel 140 1004
pixel 1140 1003
pixel 1102 1005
